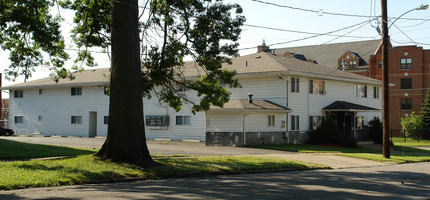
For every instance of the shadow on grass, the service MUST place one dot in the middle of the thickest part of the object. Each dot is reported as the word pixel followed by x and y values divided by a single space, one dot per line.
pixel 12 150
pixel 213 166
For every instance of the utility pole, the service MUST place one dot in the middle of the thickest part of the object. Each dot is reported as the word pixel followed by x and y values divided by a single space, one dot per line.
pixel 385 83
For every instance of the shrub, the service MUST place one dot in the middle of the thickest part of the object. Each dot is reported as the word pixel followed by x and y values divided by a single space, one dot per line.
pixel 375 131
pixel 327 132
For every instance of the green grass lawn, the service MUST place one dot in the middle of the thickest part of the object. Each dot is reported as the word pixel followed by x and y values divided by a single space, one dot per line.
pixel 83 167
pixel 410 142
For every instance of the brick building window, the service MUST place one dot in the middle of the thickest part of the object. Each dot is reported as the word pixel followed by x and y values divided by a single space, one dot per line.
pixel 406 83
pixel 380 64
pixel 406 63
pixel 352 64
pixel 406 104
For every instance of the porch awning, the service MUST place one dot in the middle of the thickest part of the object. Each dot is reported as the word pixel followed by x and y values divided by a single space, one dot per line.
pixel 256 105
pixel 343 106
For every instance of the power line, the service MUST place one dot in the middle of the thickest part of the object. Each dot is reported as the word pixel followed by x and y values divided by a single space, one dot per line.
pixel 321 12
pixel 316 35
pixel 293 31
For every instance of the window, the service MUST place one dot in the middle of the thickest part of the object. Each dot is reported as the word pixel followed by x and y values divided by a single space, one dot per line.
pixel 376 92
pixel 316 87
pixel 359 122
pixel 295 84
pixel 271 120
pixel 18 94
pixel 406 104
pixel 380 64
pixel 183 120
pixel 361 91
pixel 406 83
pixel 76 91
pixel 39 118
pixel 40 91
pixel 18 119
pixel 295 122
pixel 105 119
pixel 315 122
pixel 76 119
pixel 352 64
pixel 406 63
pixel 157 120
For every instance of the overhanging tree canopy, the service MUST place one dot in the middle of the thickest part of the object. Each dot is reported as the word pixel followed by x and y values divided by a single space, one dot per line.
pixel 204 30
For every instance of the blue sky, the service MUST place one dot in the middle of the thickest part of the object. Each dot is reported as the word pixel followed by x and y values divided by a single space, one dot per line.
pixel 312 18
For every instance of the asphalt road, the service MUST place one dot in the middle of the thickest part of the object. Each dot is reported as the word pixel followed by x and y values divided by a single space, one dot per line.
pixel 406 181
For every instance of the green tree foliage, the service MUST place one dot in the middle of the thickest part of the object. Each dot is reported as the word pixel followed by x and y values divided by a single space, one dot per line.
pixel 204 30
pixel 375 130
pixel 412 125
pixel 425 113
pixel 28 31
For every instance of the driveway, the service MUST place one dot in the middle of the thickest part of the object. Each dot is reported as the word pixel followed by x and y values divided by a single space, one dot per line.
pixel 406 181
pixel 198 148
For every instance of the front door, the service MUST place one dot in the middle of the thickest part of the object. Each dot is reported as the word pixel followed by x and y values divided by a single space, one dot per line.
pixel 92 125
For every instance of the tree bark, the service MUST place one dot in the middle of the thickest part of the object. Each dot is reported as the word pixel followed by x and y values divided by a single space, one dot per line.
pixel 126 141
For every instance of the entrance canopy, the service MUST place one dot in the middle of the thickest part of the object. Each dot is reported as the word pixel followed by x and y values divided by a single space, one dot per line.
pixel 343 106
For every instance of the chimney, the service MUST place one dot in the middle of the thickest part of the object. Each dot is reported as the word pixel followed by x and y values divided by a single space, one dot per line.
pixel 250 97
pixel 262 47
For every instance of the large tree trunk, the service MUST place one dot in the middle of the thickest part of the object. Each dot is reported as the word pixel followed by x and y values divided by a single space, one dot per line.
pixel 126 140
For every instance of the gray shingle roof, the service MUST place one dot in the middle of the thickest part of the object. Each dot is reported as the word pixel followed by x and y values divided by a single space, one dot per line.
pixel 328 54
pixel 258 63
pixel 256 105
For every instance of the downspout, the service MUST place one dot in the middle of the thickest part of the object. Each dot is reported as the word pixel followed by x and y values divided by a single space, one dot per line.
pixel 286 102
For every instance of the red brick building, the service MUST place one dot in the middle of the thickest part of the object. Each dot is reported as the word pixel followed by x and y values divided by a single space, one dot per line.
pixel 409 76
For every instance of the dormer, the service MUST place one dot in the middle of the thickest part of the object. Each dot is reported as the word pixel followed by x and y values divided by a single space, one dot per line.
pixel 349 60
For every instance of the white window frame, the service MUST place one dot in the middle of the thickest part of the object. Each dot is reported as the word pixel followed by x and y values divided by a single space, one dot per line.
pixel 376 92
pixel 76 91
pixel 271 120
pixel 18 94
pixel 361 91
pixel 295 122
pixel 18 119
pixel 317 87
pixel 185 120
pixel 295 85
pixel 315 122
pixel 74 119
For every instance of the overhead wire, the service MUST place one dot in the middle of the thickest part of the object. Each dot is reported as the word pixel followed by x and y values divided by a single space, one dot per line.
pixel 315 35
